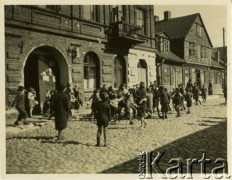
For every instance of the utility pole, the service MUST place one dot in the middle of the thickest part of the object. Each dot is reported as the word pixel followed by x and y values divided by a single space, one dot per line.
pixel 224 60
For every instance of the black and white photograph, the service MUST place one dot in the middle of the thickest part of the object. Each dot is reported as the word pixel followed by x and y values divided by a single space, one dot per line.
pixel 129 90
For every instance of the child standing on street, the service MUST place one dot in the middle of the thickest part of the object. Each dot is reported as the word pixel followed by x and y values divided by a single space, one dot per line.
pixel 203 93
pixel 103 117
pixel 164 102
pixel 177 101
pixel 188 99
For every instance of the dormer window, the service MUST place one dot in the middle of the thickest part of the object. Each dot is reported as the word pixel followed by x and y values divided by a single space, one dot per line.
pixel 164 45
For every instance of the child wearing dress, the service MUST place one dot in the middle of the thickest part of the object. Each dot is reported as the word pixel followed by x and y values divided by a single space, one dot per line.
pixel 103 116
pixel 188 99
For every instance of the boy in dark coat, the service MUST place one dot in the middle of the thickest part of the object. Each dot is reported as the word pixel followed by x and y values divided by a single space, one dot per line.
pixel 164 102
pixel 177 101
pixel 62 106
pixel 20 106
pixel 103 117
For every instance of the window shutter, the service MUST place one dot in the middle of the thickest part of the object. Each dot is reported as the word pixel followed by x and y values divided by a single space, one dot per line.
pixel 186 50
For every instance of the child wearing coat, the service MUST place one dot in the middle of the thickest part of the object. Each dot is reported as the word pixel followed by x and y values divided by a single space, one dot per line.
pixel 177 101
pixel 103 116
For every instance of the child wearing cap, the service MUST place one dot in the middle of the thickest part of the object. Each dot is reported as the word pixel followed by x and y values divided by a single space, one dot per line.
pixel 103 116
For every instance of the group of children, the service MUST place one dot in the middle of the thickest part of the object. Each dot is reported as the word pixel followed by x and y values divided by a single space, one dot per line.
pixel 131 102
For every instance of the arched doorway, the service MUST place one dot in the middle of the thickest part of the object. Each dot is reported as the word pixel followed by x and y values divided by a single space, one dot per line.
pixel 119 71
pixel 44 69
pixel 142 71
pixel 91 71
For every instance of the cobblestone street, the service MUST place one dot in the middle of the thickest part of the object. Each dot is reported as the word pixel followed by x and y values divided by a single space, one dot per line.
pixel 36 151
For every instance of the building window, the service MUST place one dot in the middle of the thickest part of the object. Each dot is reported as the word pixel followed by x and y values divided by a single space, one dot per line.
pixel 117 13
pixel 199 30
pixel 142 71
pixel 166 75
pixel 203 52
pixel 140 20
pixel 90 71
pixel 164 45
pixel 192 49
pixel 118 71
pixel 92 12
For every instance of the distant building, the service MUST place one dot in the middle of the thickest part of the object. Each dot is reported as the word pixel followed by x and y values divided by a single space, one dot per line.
pixel 168 65
pixel 189 41
pixel 219 68
pixel 88 45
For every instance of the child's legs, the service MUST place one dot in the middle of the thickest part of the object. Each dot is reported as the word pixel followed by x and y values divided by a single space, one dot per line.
pixel 99 131
pixel 105 130
pixel 177 107
pixel 72 112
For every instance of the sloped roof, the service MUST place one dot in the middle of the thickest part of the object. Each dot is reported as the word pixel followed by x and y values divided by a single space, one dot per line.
pixel 169 56
pixel 179 27
pixel 221 51
pixel 176 27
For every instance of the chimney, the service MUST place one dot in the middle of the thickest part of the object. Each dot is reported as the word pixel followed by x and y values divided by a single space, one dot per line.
pixel 156 18
pixel 167 15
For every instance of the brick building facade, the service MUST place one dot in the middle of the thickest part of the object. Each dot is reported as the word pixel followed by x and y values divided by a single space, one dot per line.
pixel 88 45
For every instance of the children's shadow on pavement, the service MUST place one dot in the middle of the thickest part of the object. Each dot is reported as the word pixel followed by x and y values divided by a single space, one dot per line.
pixel 66 142
pixel 32 138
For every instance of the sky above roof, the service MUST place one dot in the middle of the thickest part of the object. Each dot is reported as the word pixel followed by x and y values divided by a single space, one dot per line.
pixel 214 18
